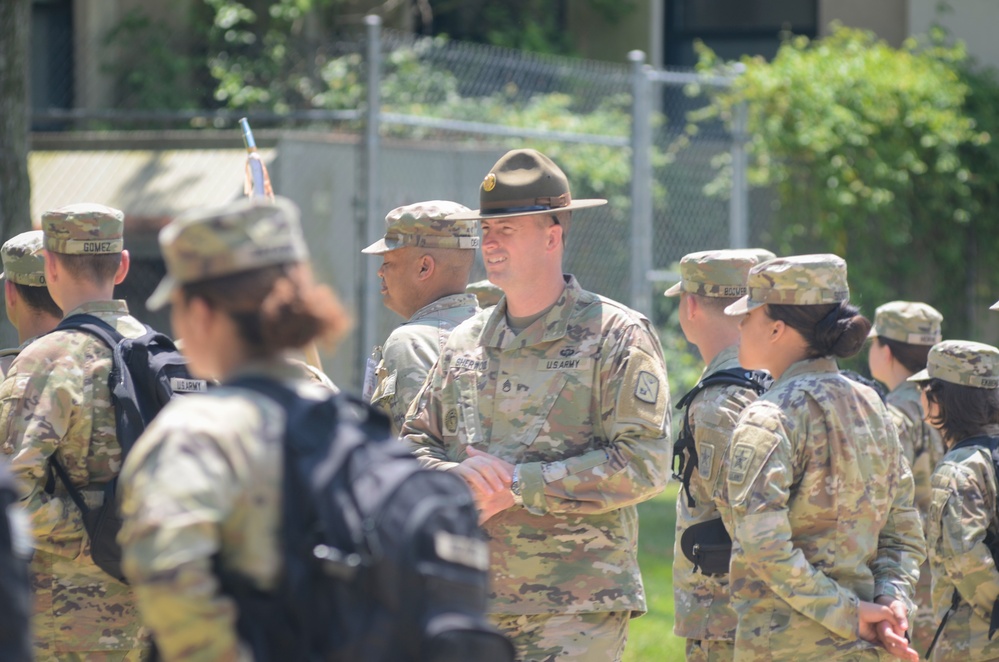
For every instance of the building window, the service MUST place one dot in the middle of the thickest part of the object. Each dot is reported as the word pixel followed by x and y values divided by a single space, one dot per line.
pixel 51 54
pixel 733 28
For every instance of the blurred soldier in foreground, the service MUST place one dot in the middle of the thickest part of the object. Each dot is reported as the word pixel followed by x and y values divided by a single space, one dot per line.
pixel 554 407
pixel 202 487
pixel 56 401
pixel 826 542
pixel 15 591
pixel 426 261
pixel 960 389
pixel 30 307
pixel 710 281
pixel 902 336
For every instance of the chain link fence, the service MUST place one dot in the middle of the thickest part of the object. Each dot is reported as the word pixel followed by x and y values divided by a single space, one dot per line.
pixel 347 153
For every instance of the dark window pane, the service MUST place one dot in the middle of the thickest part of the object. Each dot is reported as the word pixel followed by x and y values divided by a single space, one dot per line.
pixel 743 15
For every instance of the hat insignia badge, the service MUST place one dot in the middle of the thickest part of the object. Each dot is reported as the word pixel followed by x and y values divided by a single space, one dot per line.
pixel 489 183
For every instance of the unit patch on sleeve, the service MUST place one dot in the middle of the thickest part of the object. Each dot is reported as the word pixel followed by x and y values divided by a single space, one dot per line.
pixel 742 458
pixel 647 387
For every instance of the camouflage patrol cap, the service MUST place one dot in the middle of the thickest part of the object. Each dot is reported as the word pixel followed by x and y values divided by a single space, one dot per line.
pixel 242 236
pixel 720 273
pixel 424 224
pixel 24 259
pixel 524 182
pixel 799 280
pixel 909 322
pixel 962 362
pixel 84 229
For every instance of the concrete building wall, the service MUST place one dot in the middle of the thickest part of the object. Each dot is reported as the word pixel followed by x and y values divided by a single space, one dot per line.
pixel 973 21
pixel 887 18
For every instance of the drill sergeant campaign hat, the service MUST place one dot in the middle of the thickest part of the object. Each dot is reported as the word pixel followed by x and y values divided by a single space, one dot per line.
pixel 424 224
pixel 242 236
pixel 24 259
pixel 799 280
pixel 719 273
pixel 522 183
pixel 84 229
pixel 962 362
pixel 910 322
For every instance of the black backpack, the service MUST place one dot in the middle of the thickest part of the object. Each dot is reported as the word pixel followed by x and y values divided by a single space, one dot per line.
pixel 145 373
pixel 384 561
pixel 15 589
pixel 990 444
pixel 707 544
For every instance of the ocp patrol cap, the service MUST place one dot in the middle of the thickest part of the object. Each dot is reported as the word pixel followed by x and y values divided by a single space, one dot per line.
pixel 799 280
pixel 962 362
pixel 425 225
pixel 242 236
pixel 718 273
pixel 84 229
pixel 910 322
pixel 24 259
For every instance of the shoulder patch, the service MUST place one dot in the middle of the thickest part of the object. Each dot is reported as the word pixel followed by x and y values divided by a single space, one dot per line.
pixel 742 459
pixel 647 387
pixel 643 393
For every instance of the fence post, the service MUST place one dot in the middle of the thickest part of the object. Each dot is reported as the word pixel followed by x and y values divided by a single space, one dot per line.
pixel 370 300
pixel 641 184
pixel 738 211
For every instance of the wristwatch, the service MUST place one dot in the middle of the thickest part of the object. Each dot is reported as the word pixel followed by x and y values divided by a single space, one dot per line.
pixel 515 486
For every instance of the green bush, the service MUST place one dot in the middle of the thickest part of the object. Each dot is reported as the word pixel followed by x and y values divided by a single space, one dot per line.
pixel 881 155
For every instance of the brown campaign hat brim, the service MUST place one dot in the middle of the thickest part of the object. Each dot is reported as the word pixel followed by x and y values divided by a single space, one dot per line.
pixel 479 215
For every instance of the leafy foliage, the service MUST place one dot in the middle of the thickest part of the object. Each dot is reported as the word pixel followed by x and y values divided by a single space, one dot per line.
pixel 881 155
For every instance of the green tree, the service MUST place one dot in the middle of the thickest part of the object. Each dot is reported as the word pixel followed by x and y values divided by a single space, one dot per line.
pixel 876 154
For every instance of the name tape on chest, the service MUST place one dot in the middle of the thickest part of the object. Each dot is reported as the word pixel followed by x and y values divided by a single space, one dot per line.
pixel 468 363
pixel 562 365
pixel 180 385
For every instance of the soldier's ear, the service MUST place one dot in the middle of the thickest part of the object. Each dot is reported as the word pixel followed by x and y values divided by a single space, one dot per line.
pixel 427 266
pixel 122 268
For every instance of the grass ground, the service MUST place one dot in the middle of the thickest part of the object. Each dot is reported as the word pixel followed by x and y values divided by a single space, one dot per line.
pixel 650 638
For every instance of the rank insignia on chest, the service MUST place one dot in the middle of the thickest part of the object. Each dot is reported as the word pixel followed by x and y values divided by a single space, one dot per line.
pixel 647 387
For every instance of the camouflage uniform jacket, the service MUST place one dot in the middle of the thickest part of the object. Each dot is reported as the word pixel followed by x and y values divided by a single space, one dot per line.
pixel 921 443
pixel 580 400
pixel 962 511
pixel 7 356
pixel 55 401
pixel 411 350
pixel 822 513
pixel 205 480
pixel 702 601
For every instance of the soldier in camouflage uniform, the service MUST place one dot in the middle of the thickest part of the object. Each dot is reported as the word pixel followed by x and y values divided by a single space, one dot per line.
pixel 487 293
pixel 426 261
pixel 902 335
pixel 960 388
pixel 710 281
pixel 826 541
pixel 55 402
pixel 203 483
pixel 554 407
pixel 30 307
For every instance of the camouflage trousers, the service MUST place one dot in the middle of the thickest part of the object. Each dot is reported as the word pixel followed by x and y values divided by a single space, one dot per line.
pixel 922 624
pixel 708 650
pixel 588 637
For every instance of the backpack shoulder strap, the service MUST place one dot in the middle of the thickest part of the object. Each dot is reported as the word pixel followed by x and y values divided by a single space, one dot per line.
pixel 93 325
pixel 756 380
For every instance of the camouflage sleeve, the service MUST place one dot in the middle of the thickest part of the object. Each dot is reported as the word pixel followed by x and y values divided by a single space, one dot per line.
pixel 760 480
pixel 915 451
pixel 422 429
pixel 901 544
pixel 39 403
pixel 962 511
pixel 404 367
pixel 176 490
pixel 904 427
pixel 630 464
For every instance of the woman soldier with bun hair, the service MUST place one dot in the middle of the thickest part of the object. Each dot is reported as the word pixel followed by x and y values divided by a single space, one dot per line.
pixel 203 485
pixel 826 543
